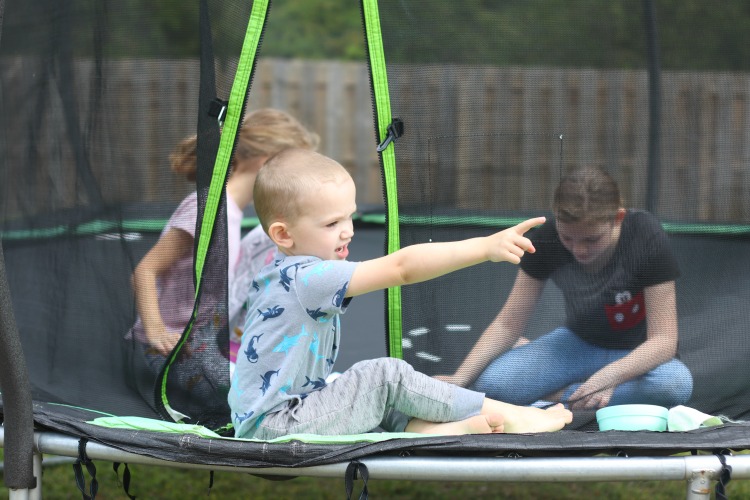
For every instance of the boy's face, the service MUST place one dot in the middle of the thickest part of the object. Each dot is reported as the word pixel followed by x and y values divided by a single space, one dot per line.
pixel 325 227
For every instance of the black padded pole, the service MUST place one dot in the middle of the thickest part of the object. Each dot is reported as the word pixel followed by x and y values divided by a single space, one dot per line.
pixel 16 390
pixel 654 107
pixel 18 416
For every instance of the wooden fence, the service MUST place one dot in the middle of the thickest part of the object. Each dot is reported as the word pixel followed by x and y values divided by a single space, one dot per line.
pixel 603 115
pixel 498 138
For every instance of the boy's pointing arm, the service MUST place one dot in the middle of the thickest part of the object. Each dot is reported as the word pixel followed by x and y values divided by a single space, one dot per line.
pixel 422 262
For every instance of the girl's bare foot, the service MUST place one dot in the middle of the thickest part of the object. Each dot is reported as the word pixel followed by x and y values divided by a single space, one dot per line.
pixel 523 419
pixel 491 423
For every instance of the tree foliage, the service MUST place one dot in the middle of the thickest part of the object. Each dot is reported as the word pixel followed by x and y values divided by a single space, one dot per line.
pixel 315 29
pixel 693 34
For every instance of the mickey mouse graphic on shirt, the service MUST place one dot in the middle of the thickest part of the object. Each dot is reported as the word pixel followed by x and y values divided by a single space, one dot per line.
pixel 627 311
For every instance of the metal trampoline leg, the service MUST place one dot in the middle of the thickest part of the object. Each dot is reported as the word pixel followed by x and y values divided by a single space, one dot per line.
pixel 36 492
pixel 699 485
pixel 14 494
pixel 30 493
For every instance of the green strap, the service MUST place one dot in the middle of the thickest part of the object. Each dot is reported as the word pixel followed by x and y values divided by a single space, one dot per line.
pixel 229 131
pixel 221 165
pixel 114 229
pixel 379 77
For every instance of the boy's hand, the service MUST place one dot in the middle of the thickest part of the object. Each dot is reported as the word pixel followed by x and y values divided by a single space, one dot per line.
pixel 510 245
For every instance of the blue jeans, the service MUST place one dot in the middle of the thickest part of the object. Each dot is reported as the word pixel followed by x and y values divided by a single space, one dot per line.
pixel 561 360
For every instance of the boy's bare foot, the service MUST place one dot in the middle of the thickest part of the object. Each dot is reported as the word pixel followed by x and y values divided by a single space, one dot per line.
pixel 525 419
pixel 481 424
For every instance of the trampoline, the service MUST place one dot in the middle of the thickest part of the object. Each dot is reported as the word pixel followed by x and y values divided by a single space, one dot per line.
pixel 468 141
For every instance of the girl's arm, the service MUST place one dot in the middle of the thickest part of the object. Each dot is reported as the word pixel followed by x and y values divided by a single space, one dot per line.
pixel 503 332
pixel 660 346
pixel 170 248
pixel 426 261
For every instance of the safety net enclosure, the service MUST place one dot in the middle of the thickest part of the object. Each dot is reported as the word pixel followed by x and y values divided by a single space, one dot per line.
pixel 499 101
pixel 103 93
pixel 96 95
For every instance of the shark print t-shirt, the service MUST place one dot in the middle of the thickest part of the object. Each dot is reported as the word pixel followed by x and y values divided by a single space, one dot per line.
pixel 607 307
pixel 291 336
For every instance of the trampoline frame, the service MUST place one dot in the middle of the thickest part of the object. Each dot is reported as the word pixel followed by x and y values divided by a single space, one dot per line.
pixel 699 472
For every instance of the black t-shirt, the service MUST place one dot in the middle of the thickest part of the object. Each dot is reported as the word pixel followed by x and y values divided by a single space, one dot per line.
pixel 606 307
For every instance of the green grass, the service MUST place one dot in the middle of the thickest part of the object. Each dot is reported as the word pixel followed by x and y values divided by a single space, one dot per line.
pixel 149 482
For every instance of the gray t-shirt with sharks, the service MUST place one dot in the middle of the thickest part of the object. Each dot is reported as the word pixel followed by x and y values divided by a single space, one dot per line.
pixel 291 336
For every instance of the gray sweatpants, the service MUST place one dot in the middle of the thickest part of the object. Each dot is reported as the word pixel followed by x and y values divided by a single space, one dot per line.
pixel 385 392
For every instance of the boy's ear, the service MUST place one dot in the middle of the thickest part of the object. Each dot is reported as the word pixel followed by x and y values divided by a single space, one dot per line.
pixel 279 234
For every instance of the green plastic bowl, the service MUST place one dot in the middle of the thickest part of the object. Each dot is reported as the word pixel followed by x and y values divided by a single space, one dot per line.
pixel 632 418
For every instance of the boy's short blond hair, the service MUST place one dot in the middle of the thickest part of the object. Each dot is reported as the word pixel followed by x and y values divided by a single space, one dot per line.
pixel 290 178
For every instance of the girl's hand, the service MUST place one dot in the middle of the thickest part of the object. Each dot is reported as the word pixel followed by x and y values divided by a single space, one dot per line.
pixel 589 399
pixel 163 341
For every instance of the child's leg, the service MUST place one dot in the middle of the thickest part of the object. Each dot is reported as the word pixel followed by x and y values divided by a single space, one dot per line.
pixel 540 368
pixel 372 393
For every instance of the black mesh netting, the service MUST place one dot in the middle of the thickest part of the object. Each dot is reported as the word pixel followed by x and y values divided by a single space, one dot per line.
pixel 95 97
pixel 501 99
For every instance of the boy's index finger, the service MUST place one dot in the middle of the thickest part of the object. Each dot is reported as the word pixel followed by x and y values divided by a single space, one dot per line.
pixel 528 224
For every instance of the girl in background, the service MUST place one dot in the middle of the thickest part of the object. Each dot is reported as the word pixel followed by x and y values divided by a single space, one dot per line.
pixel 163 280
pixel 617 275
